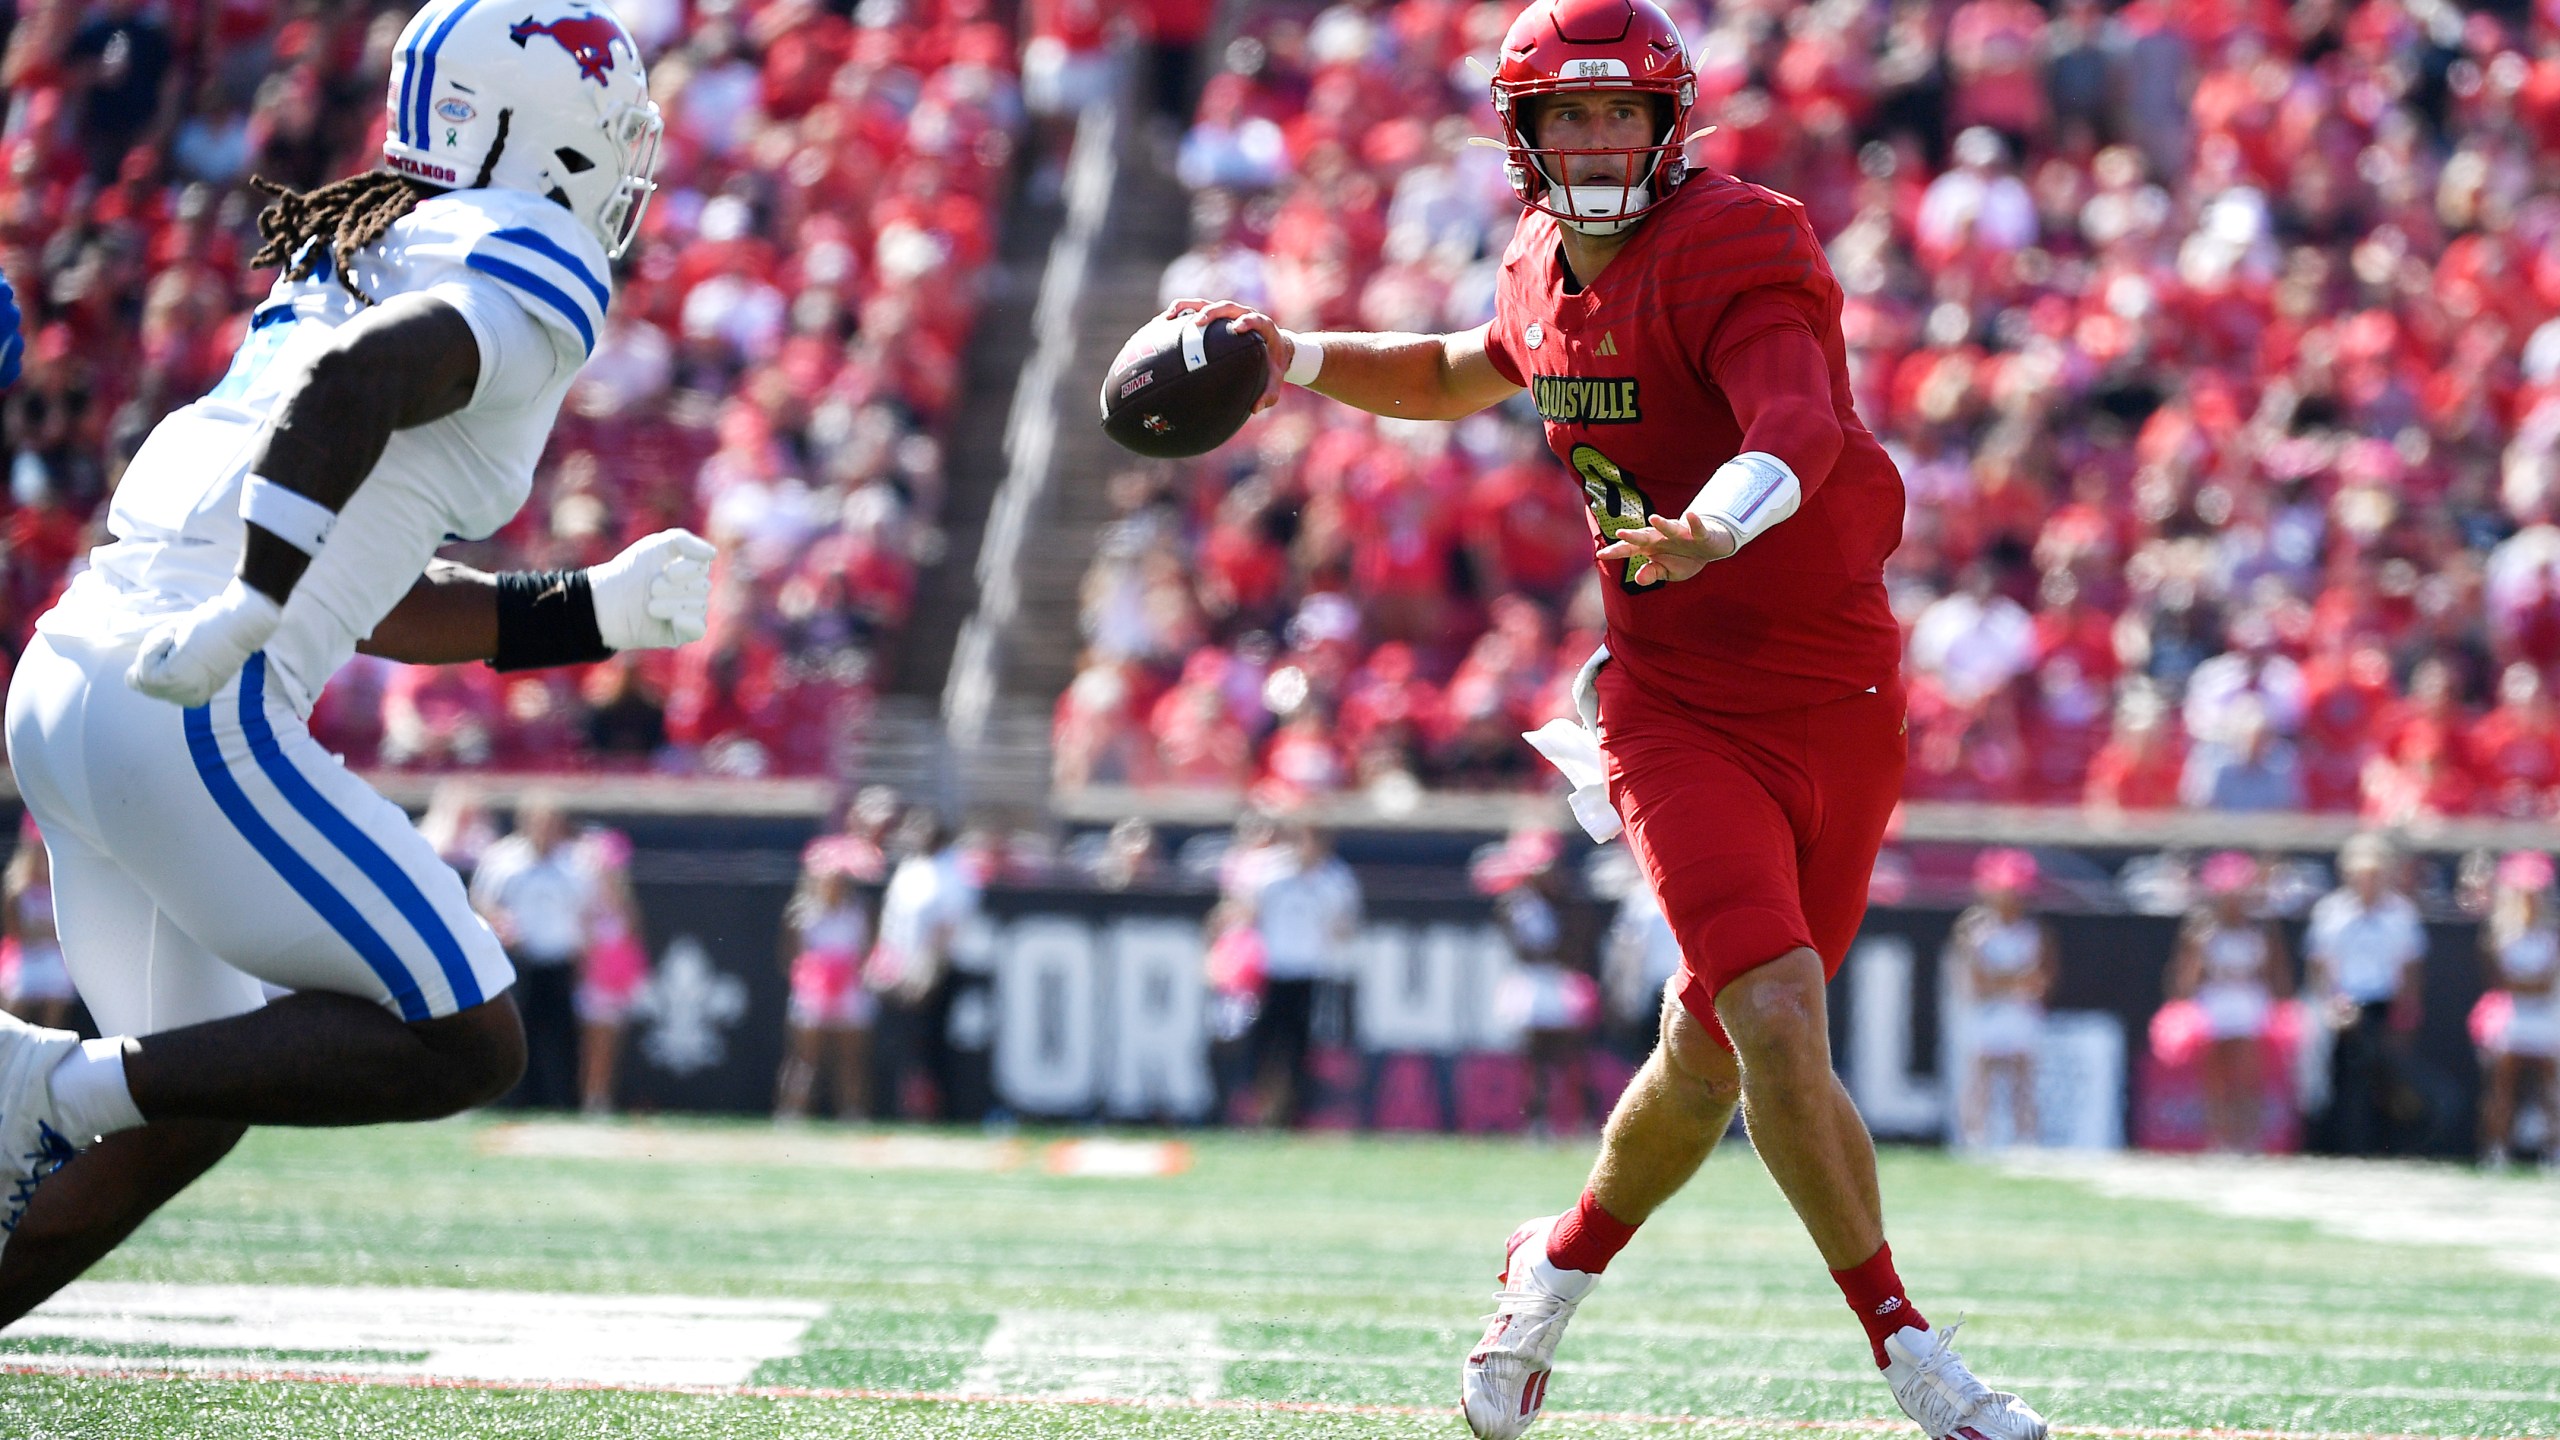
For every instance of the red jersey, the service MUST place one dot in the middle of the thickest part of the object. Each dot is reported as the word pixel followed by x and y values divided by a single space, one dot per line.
pixel 1639 379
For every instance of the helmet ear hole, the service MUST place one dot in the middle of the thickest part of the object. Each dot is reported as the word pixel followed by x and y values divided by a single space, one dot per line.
pixel 574 161
pixel 560 198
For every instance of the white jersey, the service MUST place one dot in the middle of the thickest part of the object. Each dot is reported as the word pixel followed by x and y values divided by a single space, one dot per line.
pixel 533 285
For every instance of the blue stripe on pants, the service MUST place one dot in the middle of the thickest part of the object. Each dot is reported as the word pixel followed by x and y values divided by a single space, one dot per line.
pixel 307 882
pixel 352 842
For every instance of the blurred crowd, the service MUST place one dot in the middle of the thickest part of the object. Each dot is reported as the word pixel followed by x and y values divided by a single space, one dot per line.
pixel 2215 340
pixel 780 367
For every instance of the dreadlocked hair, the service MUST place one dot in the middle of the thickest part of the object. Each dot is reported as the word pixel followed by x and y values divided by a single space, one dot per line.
pixel 344 216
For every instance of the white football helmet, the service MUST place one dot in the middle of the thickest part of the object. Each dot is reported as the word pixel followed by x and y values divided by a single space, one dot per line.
pixel 546 96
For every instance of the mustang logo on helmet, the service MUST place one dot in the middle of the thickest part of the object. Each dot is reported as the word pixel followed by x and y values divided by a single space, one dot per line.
pixel 589 39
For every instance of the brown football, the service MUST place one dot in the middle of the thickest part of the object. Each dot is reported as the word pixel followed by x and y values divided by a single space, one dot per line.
pixel 1179 388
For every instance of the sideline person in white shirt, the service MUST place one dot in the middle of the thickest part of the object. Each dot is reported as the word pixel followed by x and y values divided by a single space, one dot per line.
pixel 536 895
pixel 931 895
pixel 2366 948
pixel 1307 907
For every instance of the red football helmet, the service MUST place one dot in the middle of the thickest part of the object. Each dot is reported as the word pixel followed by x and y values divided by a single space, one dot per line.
pixel 1559 45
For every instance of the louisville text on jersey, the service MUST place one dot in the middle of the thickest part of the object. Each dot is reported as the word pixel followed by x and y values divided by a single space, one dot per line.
pixel 1581 400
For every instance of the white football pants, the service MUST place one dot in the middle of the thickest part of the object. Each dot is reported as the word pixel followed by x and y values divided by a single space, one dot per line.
pixel 198 852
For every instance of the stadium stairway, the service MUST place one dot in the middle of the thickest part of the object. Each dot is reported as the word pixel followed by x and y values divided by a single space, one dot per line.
pixel 974 467
pixel 965 718
pixel 1039 654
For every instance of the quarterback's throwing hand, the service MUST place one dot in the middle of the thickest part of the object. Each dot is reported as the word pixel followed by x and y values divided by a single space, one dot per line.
pixel 1244 317
pixel 656 594
pixel 184 661
pixel 1671 549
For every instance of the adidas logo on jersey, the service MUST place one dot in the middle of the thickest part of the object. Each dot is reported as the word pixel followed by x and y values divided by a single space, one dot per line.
pixel 1608 343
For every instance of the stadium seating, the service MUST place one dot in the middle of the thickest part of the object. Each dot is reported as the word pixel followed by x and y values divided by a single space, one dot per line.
pixel 2216 342
pixel 779 370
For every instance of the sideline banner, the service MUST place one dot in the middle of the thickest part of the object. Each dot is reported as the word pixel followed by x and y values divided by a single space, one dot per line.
pixel 1098 1008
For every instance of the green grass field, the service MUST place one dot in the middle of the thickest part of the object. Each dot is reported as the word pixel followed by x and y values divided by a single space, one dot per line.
pixel 1275 1288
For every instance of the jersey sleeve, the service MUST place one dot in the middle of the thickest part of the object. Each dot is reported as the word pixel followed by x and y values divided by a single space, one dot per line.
pixel 520 357
pixel 1754 239
pixel 1766 359
pixel 1502 336
pixel 1497 348
pixel 531 250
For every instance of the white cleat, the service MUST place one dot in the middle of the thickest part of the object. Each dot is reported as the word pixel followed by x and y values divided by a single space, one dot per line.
pixel 31 1146
pixel 1936 1390
pixel 1504 1382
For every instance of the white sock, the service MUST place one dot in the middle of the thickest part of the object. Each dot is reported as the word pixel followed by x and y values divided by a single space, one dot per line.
pixel 90 1097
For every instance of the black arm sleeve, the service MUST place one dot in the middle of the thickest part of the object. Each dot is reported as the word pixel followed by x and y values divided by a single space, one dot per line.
pixel 546 617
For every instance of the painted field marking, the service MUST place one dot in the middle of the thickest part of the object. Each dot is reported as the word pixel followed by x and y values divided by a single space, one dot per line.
pixel 1099 1158
pixel 1091 1355
pixel 286 1375
pixel 398 1333
pixel 2515 1225
pixel 1116 1159
pixel 782 1145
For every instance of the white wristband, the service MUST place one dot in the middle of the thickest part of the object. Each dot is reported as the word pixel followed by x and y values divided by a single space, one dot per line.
pixel 1749 493
pixel 290 516
pixel 1306 361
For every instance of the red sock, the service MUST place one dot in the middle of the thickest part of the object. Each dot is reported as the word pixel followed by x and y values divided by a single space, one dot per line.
pixel 1875 1292
pixel 1587 1238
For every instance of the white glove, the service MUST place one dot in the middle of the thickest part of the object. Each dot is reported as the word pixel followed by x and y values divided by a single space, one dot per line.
pixel 184 661
pixel 656 594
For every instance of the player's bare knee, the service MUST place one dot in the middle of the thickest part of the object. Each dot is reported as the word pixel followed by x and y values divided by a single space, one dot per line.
pixel 1694 1060
pixel 483 1053
pixel 1776 1014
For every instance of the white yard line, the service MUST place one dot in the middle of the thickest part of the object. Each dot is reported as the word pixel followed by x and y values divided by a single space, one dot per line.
pixel 1084 1354
pixel 442 1333
pixel 811 1145
pixel 2514 1223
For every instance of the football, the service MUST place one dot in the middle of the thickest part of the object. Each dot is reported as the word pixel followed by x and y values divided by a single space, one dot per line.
pixel 1180 388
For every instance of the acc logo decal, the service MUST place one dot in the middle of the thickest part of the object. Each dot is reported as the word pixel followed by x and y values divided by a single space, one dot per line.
pixel 456 109
pixel 589 39
pixel 1536 335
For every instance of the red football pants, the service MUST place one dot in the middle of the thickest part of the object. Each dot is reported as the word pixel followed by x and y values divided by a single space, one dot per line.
pixel 1758 832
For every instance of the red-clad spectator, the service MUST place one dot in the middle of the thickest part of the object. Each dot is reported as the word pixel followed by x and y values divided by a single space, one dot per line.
pixel 2140 765
pixel 1198 741
pixel 1302 759
pixel 435 716
pixel 2422 779
pixel 1096 738
pixel 1993 50
pixel 2345 697
pixel 1388 694
pixel 2515 748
